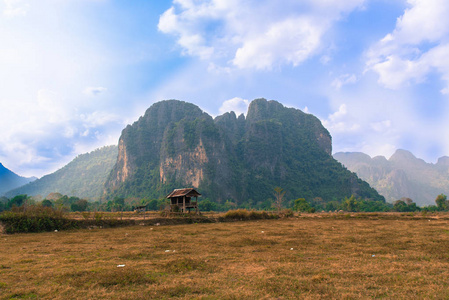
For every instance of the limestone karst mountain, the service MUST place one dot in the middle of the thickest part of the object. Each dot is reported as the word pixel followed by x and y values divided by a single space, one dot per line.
pixel 403 175
pixel 175 144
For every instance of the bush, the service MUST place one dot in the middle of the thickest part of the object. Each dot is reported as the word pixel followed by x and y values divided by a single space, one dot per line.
pixel 302 205
pixel 35 219
pixel 288 213
pixel 237 214
pixel 243 214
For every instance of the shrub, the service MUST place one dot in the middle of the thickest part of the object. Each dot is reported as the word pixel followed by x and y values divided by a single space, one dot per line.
pixel 35 219
pixel 288 213
pixel 243 214
pixel 98 217
pixel 237 214
pixel 302 205
pixel 86 215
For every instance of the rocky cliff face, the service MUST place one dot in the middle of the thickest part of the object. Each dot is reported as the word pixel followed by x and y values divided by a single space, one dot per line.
pixel 176 145
pixel 403 175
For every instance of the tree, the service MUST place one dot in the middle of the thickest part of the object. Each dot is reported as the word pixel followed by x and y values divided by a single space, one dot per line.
pixel 350 204
pixel 47 203
pixel 405 205
pixel 332 205
pixel 118 203
pixel 407 201
pixel 152 205
pixel 229 204
pixel 442 202
pixel 18 200
pixel 279 194
pixel 80 205
pixel 303 206
pixel 207 205
pixel 400 206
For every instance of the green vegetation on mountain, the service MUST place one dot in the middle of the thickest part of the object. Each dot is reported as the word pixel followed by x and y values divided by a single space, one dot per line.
pixel 231 159
pixel 83 177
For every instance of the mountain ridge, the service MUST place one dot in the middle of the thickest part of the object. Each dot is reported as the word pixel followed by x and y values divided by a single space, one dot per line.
pixel 402 175
pixel 83 177
pixel 241 159
pixel 10 180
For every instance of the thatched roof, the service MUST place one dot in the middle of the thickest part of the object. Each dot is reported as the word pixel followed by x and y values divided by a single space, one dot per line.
pixel 189 192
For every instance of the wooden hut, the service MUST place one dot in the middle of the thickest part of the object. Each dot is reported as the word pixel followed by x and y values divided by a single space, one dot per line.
pixel 140 208
pixel 181 199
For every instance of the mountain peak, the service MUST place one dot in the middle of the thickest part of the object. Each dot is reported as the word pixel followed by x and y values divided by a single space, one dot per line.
pixel 260 109
pixel 403 175
pixel 443 161
pixel 402 154
pixel 228 157
pixel 10 180
pixel 83 177
pixel 352 156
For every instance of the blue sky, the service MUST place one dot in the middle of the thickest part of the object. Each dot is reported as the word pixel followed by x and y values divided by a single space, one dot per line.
pixel 74 73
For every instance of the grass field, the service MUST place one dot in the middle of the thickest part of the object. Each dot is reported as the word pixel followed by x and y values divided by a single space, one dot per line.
pixel 364 256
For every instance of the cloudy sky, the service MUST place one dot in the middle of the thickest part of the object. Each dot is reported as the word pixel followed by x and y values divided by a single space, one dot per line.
pixel 73 73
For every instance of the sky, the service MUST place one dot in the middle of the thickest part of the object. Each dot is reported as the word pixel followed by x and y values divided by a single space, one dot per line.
pixel 74 73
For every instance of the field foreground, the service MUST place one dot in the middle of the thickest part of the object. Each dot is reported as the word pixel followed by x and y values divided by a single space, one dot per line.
pixel 397 257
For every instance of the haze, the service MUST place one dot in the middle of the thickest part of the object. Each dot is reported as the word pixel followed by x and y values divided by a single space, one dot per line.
pixel 74 73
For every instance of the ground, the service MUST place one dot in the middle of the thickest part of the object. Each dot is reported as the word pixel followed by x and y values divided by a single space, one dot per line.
pixel 308 257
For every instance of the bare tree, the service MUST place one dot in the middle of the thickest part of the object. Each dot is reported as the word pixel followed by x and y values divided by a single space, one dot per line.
pixel 279 198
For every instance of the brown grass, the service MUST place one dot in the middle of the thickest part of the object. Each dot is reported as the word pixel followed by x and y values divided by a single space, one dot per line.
pixel 397 257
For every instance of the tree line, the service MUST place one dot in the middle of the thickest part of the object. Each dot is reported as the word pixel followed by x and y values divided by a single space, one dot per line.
pixel 348 204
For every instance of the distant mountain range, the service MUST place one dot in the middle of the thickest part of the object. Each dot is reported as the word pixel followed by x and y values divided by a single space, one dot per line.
pixel 10 180
pixel 403 175
pixel 83 177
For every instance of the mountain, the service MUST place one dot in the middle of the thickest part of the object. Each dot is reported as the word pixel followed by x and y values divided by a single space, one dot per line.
pixel 83 177
pixel 10 180
pixel 403 175
pixel 175 144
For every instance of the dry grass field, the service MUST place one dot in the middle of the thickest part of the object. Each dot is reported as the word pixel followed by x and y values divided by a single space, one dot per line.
pixel 398 257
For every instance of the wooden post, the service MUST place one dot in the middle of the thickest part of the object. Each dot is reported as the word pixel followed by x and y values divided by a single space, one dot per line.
pixel 196 208
pixel 184 204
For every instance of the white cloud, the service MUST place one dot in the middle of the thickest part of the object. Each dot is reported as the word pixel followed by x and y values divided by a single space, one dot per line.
pixel 382 126
pixel 291 41
pixel 48 66
pixel 45 129
pixel 15 8
pixel 253 34
pixel 340 122
pixel 425 20
pixel 376 149
pixel 99 118
pixel 418 45
pixel 94 91
pixel 343 80
pixel 237 105
pixel 340 113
